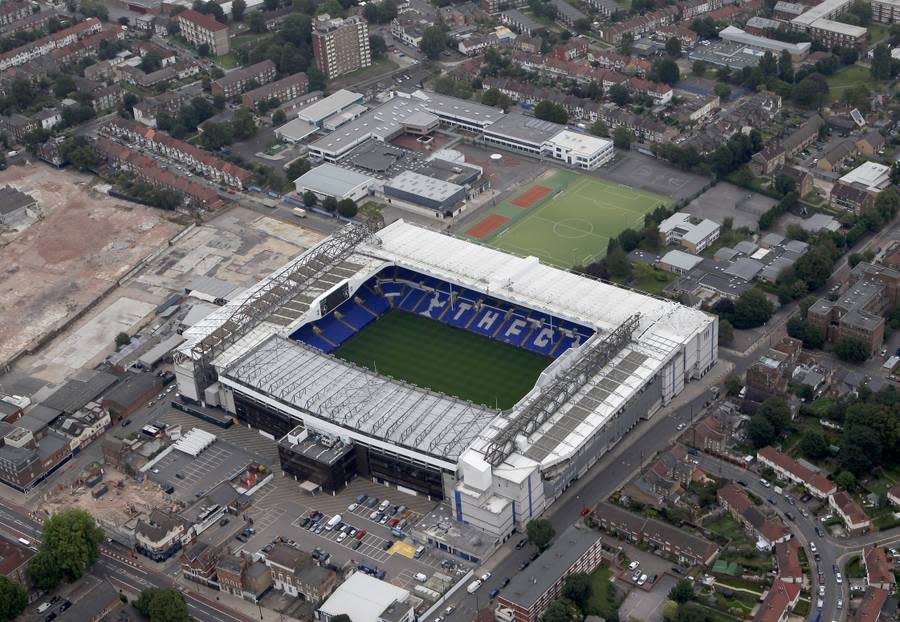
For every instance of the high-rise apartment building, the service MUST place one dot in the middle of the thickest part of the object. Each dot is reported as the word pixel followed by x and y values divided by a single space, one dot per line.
pixel 340 45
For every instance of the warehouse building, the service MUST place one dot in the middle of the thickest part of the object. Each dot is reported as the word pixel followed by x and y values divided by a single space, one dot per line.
pixel 328 180
pixel 429 192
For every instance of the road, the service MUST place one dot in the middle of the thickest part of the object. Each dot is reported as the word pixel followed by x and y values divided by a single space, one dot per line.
pixel 114 565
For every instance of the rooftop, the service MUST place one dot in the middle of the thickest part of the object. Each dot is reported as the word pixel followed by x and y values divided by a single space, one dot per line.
pixel 363 598
pixel 421 185
pixel 872 176
pixel 529 585
pixel 331 180
pixel 337 101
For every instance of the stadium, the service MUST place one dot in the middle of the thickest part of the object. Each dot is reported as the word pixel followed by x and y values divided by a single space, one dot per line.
pixel 442 368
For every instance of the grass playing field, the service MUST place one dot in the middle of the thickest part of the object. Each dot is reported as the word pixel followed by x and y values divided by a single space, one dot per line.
pixel 430 354
pixel 571 225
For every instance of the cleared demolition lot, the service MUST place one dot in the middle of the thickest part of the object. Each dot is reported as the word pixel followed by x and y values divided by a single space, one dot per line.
pixel 80 246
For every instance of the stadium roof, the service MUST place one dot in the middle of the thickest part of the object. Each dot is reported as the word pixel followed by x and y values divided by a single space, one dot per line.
pixel 357 400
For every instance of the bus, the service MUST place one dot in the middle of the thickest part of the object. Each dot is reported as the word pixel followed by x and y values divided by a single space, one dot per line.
pixel 151 431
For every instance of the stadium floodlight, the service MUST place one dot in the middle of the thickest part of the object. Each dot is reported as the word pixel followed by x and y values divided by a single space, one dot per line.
pixel 534 413
pixel 276 292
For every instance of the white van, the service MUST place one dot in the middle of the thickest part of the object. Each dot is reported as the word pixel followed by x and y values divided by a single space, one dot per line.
pixel 332 522
pixel 473 586
pixel 420 577
pixel 299 212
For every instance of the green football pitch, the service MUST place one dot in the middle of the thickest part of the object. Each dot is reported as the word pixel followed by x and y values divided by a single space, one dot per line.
pixel 433 355
pixel 571 224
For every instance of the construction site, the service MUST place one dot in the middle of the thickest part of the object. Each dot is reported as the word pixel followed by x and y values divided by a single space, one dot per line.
pixel 73 253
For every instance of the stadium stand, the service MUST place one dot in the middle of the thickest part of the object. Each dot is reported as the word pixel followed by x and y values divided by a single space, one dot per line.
pixel 466 309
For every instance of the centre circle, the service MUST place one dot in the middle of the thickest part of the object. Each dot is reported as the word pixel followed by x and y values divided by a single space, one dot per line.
pixel 573 228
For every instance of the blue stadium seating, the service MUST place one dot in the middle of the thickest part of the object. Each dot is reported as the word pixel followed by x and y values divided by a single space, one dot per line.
pixel 416 293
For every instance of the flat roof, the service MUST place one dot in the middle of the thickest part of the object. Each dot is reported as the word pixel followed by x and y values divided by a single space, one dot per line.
pixel 531 584
pixel 331 180
pixel 523 128
pixel 363 598
pixel 680 259
pixel 733 33
pixel 297 129
pixel 337 101
pixel 823 9
pixel 423 186
pixel 873 176
pixel 839 27
pixel 580 144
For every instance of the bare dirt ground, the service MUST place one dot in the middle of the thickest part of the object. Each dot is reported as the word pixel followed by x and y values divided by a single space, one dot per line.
pixel 116 507
pixel 83 243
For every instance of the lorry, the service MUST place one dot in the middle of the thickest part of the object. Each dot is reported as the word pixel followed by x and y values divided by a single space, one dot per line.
pixel 332 522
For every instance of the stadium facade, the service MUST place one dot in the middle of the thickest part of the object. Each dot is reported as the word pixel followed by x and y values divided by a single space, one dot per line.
pixel 615 356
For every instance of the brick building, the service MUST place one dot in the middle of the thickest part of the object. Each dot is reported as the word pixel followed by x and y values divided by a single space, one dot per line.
pixel 200 28
pixel 340 45
pixel 236 82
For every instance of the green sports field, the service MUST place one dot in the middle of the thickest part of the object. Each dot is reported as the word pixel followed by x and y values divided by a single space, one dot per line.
pixel 569 226
pixel 430 354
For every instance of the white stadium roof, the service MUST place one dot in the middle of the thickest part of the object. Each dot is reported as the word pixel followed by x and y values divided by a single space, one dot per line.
pixel 303 381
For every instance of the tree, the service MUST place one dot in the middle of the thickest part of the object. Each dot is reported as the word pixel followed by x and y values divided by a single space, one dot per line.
pixel 562 610
pixel 670 611
pixel 551 111
pixel 723 91
pixel 881 62
pixel 599 128
pixel 70 545
pixel 316 79
pixel 278 117
pixel 785 184
pixel 577 588
pixel 617 264
pixel 852 350
pixel 330 204
pixel 760 431
pixel 163 605
pixel 244 125
pixel 238 8
pixel 813 444
pixel 309 198
pixel 540 532
pixel 726 332
pixel 698 68
pixel 618 94
pixel 377 45
pixel 258 23
pixel 63 85
pixel 845 480
pixel 151 61
pixel 752 309
pixel 296 169
pixel 776 411
pixel 122 339
pixel 13 599
pixel 682 592
pixel 786 66
pixel 80 153
pixel 673 47
pixel 625 43
pixel 216 135
pixel 811 91
pixel 434 42
pixel 733 384
pixel 665 70
pixel 622 138
pixel 347 208
pixel 203 49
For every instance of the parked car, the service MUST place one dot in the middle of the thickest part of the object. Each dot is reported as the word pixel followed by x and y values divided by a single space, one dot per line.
pixel 360 534
pixel 521 543
pixel 633 565
pixel 642 580
pixel 524 565
pixel 352 507
pixel 485 577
